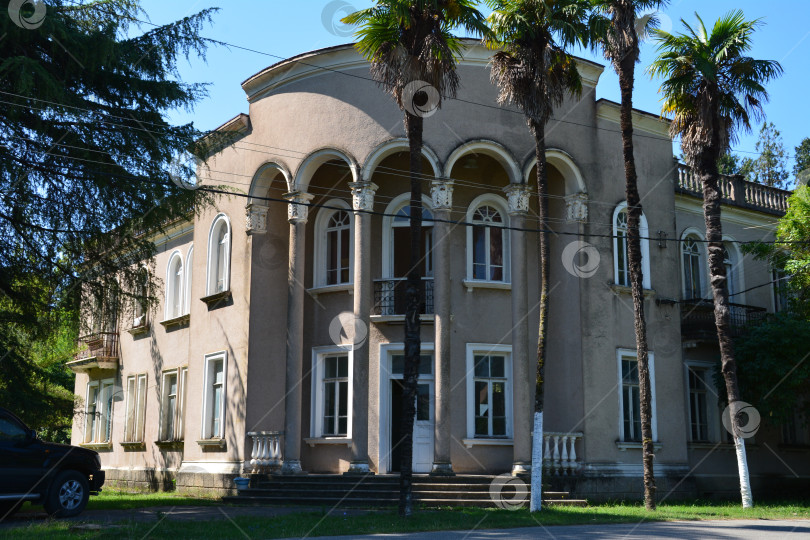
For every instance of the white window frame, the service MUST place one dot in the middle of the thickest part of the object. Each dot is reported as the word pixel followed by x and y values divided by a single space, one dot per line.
pixel 208 396
pixel 497 202
pixel 631 354
pixel 188 281
pixel 174 294
pixel 103 414
pixel 163 435
pixel 645 249
pixel 321 255
pixel 702 260
pixel 221 220
pixel 141 306
pixel 319 354
pixel 713 411
pixel 474 349
pixel 396 204
pixel 135 408
pixel 737 260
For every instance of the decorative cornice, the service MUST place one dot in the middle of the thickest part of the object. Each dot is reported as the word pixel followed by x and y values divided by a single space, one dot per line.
pixel 441 191
pixel 297 210
pixel 642 121
pixel 363 195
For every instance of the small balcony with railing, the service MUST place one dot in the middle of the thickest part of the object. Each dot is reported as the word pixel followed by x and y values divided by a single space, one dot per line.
pixel 97 350
pixel 736 191
pixel 390 297
pixel 697 319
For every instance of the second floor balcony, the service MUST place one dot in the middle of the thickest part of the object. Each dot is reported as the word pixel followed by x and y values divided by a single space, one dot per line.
pixel 697 319
pixel 390 296
pixel 98 350
pixel 737 191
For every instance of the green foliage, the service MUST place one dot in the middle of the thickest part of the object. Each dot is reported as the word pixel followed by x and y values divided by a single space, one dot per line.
pixel 731 164
pixel 86 156
pixel 772 367
pixel 801 169
pixel 770 168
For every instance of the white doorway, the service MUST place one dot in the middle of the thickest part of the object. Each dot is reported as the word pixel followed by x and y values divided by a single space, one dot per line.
pixel 392 361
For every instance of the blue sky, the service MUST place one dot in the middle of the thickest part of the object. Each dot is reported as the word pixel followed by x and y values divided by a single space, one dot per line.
pixel 283 29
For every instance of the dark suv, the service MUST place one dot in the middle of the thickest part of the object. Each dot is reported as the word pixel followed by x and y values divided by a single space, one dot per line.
pixel 58 476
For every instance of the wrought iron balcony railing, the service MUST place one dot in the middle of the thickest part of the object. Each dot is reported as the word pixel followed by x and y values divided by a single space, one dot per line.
pixel 697 318
pixel 390 297
pixel 96 350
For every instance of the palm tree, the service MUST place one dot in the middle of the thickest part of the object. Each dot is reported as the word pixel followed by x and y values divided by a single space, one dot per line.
pixel 713 90
pixel 533 70
pixel 616 27
pixel 413 56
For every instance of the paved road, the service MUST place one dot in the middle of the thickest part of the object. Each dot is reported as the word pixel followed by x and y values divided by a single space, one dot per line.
pixel 720 530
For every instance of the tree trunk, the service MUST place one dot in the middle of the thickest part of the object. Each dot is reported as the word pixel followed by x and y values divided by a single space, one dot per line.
pixel 709 176
pixel 627 67
pixel 538 130
pixel 413 127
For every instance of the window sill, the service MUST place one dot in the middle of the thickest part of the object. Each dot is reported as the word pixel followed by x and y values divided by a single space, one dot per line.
pixel 216 297
pixel 212 444
pixel 633 445
pixel 133 446
pixel 622 289
pixel 469 443
pixel 176 321
pixel 400 319
pixel 706 445
pixel 97 446
pixel 337 441
pixel 169 445
pixel 482 284
pixel 326 289
pixel 138 330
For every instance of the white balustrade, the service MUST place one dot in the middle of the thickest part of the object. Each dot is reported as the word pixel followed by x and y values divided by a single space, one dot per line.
pixel 560 454
pixel 266 455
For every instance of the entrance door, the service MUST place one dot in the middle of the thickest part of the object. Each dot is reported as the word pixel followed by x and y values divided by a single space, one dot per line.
pixel 424 420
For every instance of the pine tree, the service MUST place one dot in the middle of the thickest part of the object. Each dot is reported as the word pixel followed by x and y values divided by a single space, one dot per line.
pixel 801 169
pixel 770 168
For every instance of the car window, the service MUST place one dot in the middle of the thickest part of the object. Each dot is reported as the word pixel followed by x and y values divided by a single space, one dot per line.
pixel 11 431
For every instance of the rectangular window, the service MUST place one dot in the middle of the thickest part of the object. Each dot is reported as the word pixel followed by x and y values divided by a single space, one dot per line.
pixel 98 412
pixel 489 388
pixel 169 406
pixel 336 396
pixel 630 398
pixel 136 408
pixel 698 405
pixel 214 406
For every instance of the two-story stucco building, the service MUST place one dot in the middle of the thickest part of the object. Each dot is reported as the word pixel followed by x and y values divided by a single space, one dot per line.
pixel 280 340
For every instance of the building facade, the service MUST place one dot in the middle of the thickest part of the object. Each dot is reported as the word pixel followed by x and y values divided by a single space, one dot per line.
pixel 279 345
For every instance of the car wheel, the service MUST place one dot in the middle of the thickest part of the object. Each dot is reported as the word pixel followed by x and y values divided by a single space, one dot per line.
pixel 68 494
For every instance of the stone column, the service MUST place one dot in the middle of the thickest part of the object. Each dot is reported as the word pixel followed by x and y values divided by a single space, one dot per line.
pixel 442 194
pixel 522 404
pixel 362 202
pixel 297 216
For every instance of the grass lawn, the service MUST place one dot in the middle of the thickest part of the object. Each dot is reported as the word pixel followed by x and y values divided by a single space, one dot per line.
pixel 387 521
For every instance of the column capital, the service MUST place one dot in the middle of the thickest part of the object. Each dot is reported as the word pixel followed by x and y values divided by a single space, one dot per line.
pixel 297 211
pixel 518 197
pixel 363 195
pixel 576 207
pixel 256 218
pixel 441 191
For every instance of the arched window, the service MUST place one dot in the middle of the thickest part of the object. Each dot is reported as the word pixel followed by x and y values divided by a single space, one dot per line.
pixel 174 286
pixel 621 265
pixel 400 241
pixel 692 267
pixel 187 288
pixel 729 264
pixel 334 244
pixel 219 255
pixel 488 240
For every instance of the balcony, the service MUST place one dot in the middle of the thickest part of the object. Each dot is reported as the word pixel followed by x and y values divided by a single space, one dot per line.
pixel 737 191
pixel 390 298
pixel 96 351
pixel 697 319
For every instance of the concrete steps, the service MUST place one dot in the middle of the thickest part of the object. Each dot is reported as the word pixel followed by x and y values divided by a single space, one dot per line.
pixel 381 491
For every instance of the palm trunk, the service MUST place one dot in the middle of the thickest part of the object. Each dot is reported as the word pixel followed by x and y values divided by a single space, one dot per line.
pixel 709 176
pixel 538 130
pixel 413 127
pixel 626 79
